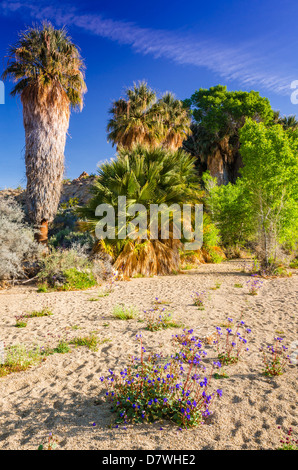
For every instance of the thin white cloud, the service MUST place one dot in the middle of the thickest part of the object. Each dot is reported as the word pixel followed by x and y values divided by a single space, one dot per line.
pixel 243 63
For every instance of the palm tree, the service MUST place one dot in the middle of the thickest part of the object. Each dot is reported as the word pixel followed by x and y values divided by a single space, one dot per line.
pixel 131 122
pixel 140 118
pixel 145 176
pixel 175 119
pixel 289 122
pixel 49 75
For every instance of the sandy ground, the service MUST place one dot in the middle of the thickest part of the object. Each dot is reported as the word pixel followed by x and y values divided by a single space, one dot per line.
pixel 63 394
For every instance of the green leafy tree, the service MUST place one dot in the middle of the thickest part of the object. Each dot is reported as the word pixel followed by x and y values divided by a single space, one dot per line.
pixel 218 115
pixel 270 177
pixel 230 210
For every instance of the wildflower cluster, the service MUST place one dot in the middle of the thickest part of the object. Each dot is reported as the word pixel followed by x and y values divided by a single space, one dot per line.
pixel 289 442
pixel 198 299
pixel 155 388
pixel 275 358
pixel 230 345
pixel 111 284
pixel 21 320
pixel 254 285
pixel 158 317
pixel 190 348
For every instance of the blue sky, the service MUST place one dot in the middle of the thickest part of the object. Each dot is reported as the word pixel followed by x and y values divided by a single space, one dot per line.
pixel 176 46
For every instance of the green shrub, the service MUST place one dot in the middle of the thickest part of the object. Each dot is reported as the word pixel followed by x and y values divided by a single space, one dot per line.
pixel 67 270
pixel 78 280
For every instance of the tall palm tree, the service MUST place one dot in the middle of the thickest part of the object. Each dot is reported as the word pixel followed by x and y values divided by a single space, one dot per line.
pixel 144 176
pixel 132 122
pixel 175 119
pixel 49 74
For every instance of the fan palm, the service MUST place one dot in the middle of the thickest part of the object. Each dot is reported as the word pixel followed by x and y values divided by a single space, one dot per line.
pixel 132 122
pixel 142 119
pixel 49 75
pixel 289 122
pixel 175 120
pixel 144 176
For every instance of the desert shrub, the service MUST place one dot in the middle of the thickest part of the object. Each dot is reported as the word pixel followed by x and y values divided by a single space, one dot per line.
pixel 67 269
pixel 65 238
pixel 18 250
pixel 65 232
pixel 156 387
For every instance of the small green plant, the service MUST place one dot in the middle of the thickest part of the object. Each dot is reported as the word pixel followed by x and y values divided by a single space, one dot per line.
pixel 275 358
pixel 158 318
pixel 188 267
pixel 61 348
pixel 91 342
pixel 21 321
pixel 18 358
pixel 124 313
pixel 103 294
pixel 239 286
pixel 199 299
pixel 222 375
pixel 42 288
pixel 45 312
pixel 78 280
pixel 51 445
pixel 217 286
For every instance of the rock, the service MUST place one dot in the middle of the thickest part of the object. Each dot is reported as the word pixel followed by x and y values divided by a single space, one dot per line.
pixel 78 188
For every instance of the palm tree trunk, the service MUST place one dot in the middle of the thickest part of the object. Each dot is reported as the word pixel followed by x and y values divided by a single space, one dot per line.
pixel 46 121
